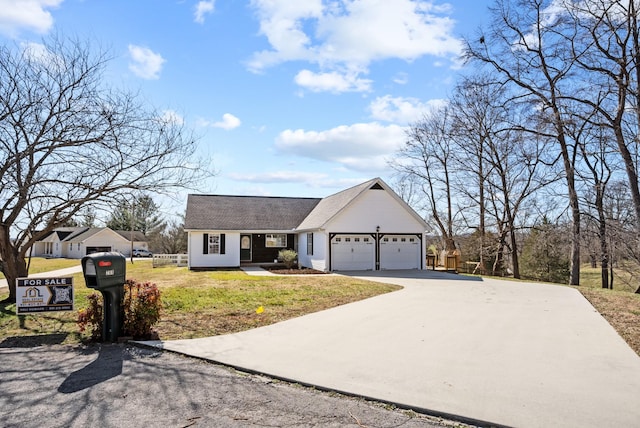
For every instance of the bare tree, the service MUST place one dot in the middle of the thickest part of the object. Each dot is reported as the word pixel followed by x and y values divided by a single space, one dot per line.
pixel 474 121
pixel 427 158
pixel 527 46
pixel 69 142
pixel 607 52
pixel 171 239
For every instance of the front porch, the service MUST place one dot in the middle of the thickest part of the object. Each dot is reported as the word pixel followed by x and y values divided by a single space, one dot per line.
pixel 263 248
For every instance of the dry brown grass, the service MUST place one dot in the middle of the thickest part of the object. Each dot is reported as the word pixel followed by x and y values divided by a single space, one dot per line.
pixel 621 309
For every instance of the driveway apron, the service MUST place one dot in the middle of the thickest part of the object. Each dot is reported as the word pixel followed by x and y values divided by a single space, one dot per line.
pixel 484 350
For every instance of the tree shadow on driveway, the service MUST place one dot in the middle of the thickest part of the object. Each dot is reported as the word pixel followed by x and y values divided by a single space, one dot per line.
pixel 107 366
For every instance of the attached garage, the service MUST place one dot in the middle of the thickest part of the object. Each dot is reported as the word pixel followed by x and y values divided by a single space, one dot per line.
pixel 400 252
pixel 353 252
pixel 364 227
pixel 91 250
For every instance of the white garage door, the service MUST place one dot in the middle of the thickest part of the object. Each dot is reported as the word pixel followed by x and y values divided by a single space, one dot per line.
pixel 352 253
pixel 399 252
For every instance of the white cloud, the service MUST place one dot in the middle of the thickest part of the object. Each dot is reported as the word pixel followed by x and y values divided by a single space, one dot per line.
pixel 332 82
pixel 349 35
pixel 310 179
pixel 400 109
pixel 401 78
pixel 228 122
pixel 145 63
pixel 359 147
pixel 172 117
pixel 203 8
pixel 279 177
pixel 30 15
pixel 37 52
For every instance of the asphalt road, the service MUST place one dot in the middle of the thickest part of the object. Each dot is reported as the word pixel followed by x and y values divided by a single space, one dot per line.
pixel 126 386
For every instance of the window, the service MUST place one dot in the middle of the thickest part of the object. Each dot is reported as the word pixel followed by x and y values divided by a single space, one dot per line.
pixel 276 240
pixel 403 239
pixel 412 239
pixel 70 247
pixel 78 246
pixel 365 239
pixel 356 239
pixel 347 239
pixel 338 239
pixel 310 244
pixel 394 239
pixel 213 243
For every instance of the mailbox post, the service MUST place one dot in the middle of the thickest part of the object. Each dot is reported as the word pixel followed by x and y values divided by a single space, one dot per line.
pixel 106 272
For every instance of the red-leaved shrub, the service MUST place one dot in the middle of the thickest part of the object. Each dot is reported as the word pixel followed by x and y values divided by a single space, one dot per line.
pixel 91 318
pixel 141 307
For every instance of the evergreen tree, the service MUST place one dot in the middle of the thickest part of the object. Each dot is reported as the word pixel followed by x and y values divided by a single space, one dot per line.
pixel 140 214
pixel 545 255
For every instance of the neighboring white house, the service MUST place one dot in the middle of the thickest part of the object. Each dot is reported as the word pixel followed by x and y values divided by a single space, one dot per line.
pixel 365 227
pixel 76 242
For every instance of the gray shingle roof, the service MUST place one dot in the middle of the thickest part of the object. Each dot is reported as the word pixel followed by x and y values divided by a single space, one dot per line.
pixel 83 234
pixel 220 212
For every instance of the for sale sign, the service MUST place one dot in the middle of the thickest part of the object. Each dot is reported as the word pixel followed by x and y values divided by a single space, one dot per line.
pixel 44 295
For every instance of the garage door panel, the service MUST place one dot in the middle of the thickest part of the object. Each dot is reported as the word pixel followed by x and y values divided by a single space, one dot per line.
pixel 400 252
pixel 352 253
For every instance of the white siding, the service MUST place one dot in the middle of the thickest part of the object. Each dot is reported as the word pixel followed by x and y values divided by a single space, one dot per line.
pixel 378 208
pixel 318 259
pixel 375 208
pixel 197 259
pixel 104 238
pixel 57 249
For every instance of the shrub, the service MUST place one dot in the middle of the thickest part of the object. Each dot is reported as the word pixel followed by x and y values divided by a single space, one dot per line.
pixel 141 307
pixel 288 257
pixel 91 318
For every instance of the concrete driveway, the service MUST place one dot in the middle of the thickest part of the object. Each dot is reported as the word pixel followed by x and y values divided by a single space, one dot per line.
pixel 489 351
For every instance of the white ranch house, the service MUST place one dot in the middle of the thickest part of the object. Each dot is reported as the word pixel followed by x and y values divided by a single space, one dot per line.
pixel 76 242
pixel 365 227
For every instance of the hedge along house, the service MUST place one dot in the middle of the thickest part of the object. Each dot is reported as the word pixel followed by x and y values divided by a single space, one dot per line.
pixel 365 227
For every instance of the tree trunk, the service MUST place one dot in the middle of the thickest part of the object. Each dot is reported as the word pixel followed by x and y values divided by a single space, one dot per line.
pixel 602 232
pixel 498 265
pixel 14 265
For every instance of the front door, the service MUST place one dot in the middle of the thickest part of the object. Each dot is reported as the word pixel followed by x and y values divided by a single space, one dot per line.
pixel 245 248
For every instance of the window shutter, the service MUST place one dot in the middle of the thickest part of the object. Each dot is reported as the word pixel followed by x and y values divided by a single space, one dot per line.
pixel 205 244
pixel 222 242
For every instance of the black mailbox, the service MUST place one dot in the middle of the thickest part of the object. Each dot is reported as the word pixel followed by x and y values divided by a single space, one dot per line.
pixel 106 272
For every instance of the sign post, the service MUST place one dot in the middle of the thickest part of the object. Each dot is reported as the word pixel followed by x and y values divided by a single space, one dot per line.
pixel 43 295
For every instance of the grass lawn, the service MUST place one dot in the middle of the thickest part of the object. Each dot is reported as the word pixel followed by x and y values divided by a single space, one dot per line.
pixel 40 264
pixel 620 306
pixel 199 304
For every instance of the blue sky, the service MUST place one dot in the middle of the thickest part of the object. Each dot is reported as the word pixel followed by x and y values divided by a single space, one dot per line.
pixel 290 98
